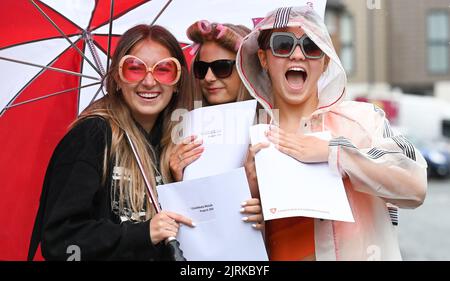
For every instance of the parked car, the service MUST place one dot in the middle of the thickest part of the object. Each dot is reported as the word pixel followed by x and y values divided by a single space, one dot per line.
pixel 437 156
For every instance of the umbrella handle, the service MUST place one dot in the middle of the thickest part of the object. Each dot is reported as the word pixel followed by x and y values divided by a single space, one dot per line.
pixel 173 247
pixel 172 244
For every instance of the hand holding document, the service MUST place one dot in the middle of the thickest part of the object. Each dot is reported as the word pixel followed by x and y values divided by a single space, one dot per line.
pixel 224 130
pixel 289 188
pixel 213 203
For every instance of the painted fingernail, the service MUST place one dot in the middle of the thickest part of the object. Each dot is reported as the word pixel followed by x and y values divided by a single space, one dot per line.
pixel 193 224
pixel 242 210
pixel 254 225
pixel 244 203
pixel 245 219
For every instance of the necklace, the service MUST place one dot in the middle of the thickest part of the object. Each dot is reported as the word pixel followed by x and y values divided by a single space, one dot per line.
pixel 158 176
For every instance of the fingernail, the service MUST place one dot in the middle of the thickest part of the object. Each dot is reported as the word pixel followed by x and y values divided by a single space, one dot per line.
pixel 254 225
pixel 193 224
pixel 245 219
pixel 242 210
pixel 244 203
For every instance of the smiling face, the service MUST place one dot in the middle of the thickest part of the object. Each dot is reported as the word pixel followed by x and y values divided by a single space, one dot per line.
pixel 294 78
pixel 147 98
pixel 218 90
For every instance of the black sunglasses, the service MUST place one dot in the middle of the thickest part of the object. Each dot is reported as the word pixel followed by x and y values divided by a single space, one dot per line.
pixel 220 68
pixel 283 45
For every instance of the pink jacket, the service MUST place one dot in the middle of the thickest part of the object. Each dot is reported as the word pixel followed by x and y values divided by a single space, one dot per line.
pixel 381 171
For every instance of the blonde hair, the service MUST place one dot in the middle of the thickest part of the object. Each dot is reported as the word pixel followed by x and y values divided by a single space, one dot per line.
pixel 114 109
pixel 228 36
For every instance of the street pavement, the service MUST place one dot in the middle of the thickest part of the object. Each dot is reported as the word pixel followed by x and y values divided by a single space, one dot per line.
pixel 424 233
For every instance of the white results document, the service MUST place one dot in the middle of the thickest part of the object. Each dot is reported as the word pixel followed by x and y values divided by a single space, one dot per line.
pixel 224 130
pixel 214 203
pixel 290 188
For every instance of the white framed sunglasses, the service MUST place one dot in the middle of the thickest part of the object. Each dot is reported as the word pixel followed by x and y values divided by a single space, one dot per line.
pixel 133 70
pixel 283 44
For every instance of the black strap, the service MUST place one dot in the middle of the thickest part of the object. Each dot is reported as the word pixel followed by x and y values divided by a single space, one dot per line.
pixel 36 234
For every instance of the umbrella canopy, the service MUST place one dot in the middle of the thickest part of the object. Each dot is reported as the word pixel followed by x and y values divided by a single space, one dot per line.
pixel 179 15
pixel 53 55
pixel 57 34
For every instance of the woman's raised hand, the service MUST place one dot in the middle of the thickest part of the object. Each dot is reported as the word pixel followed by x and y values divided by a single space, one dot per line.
pixel 252 208
pixel 184 154
pixel 307 149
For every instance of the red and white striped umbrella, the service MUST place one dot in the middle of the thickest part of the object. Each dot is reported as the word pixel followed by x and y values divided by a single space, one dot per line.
pixel 53 55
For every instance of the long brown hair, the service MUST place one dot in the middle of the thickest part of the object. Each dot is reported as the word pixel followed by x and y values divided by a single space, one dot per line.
pixel 115 110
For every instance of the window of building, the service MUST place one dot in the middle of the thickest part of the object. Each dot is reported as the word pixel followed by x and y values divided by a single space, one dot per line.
pixel 438 42
pixel 331 22
pixel 347 43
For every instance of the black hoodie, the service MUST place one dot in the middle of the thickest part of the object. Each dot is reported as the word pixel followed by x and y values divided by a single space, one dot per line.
pixel 75 207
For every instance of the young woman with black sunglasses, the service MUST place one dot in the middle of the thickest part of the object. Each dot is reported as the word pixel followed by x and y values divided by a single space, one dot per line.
pixel 215 81
pixel 213 72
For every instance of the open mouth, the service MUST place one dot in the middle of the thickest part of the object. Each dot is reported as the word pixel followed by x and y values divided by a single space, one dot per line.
pixel 296 77
pixel 148 96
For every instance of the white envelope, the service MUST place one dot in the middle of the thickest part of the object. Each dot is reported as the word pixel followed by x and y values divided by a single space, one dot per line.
pixel 224 130
pixel 289 188
pixel 214 204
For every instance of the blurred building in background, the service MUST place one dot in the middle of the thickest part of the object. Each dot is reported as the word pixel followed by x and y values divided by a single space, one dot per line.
pixel 399 43
pixel 392 50
pixel 358 31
